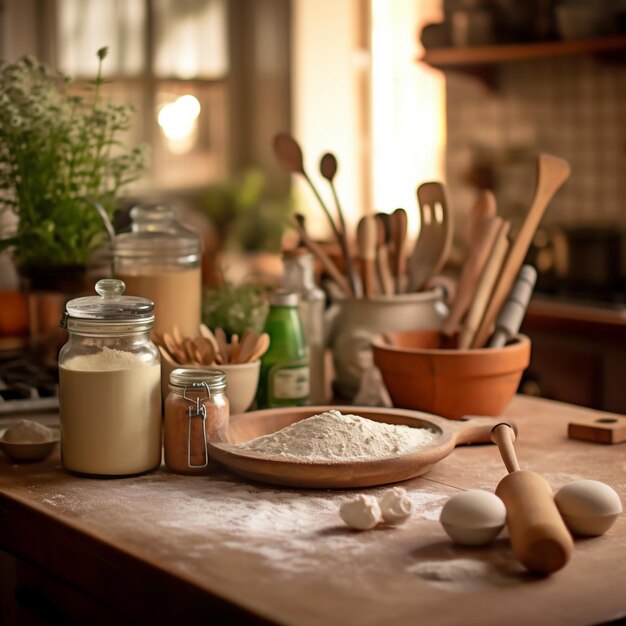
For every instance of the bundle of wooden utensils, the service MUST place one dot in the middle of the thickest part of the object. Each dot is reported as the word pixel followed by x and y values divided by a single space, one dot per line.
pixel 383 265
pixel 208 347
pixel 491 294
pixel 492 291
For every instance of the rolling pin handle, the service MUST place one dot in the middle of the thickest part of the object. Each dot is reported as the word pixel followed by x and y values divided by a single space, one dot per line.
pixel 503 436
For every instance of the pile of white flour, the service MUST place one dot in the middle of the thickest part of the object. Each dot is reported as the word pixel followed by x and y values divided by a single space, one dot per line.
pixel 332 436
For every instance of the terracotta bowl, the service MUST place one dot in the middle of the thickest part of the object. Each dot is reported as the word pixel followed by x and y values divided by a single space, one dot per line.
pixel 420 374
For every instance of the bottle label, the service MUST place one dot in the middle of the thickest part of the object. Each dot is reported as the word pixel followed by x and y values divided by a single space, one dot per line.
pixel 289 381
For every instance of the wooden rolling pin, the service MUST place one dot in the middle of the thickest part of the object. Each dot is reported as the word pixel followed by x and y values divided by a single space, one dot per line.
pixel 539 537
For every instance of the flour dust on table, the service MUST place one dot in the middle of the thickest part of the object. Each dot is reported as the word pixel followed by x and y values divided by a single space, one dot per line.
pixel 333 436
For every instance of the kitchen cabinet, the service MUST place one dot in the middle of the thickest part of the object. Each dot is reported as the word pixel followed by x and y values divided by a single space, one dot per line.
pixel 577 354
pixel 167 549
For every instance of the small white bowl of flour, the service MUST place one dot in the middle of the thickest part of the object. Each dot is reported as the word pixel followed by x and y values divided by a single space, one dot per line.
pixel 27 441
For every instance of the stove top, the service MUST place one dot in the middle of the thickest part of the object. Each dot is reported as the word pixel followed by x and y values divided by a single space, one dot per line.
pixel 26 387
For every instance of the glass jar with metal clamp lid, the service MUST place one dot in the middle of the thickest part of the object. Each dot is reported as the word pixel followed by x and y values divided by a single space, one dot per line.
pixel 196 413
pixel 110 384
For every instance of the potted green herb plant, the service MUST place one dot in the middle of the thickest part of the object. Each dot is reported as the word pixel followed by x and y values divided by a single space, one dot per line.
pixel 60 154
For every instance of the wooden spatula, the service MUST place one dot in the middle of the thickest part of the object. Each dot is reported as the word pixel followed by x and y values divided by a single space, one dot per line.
pixel 399 226
pixel 435 239
pixel 552 172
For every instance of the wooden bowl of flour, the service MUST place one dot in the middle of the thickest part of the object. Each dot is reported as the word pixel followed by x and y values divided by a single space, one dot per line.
pixel 339 474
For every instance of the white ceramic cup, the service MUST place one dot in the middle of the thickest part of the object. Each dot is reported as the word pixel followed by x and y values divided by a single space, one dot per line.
pixel 242 380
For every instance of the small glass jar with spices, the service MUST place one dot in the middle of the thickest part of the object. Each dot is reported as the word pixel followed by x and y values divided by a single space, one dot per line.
pixel 196 413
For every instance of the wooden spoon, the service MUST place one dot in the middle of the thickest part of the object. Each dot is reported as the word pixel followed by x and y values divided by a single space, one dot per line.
pixel 234 348
pixel 539 537
pixel 167 357
pixel 173 348
pixel 289 155
pixel 552 172
pixel 248 345
pixel 367 235
pixel 222 343
pixel 205 332
pixel 328 169
pixel 205 349
pixel 262 344
pixel 435 239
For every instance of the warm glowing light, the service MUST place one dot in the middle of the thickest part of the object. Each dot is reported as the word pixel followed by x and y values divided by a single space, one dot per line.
pixel 178 122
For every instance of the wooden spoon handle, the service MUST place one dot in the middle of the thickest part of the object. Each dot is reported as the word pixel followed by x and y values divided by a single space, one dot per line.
pixel 471 272
pixel 327 263
pixel 485 287
pixel 399 225
pixel 367 235
pixel 504 436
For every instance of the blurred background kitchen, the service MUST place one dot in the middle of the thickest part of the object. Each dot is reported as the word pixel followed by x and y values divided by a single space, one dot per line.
pixel 402 91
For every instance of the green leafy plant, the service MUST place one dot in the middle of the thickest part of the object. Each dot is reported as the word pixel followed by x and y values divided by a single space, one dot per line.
pixel 245 217
pixel 59 153
pixel 235 308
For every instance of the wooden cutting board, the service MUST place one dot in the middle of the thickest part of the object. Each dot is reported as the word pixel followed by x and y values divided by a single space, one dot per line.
pixel 344 474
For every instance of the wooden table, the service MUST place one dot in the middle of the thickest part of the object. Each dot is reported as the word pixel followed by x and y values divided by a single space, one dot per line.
pixel 182 550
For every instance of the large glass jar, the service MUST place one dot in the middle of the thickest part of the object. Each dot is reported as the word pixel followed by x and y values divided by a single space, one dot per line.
pixel 110 391
pixel 196 412
pixel 159 259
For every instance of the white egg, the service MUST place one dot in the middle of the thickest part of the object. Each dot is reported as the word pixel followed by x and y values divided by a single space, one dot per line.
pixel 588 507
pixel 474 517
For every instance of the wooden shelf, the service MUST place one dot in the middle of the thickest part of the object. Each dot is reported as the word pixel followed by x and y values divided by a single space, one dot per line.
pixel 506 53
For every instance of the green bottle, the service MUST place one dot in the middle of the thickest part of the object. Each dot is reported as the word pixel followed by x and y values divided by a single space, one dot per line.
pixel 284 378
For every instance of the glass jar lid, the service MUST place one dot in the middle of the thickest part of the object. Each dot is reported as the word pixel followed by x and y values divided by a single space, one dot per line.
pixel 155 232
pixel 111 305
pixel 184 377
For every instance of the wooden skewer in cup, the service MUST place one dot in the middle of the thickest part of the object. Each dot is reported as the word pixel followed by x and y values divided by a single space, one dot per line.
pixel 539 537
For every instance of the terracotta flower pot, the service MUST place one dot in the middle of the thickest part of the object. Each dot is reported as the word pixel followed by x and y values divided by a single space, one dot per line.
pixel 421 375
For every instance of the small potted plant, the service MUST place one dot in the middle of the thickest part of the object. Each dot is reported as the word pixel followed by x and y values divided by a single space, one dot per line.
pixel 60 156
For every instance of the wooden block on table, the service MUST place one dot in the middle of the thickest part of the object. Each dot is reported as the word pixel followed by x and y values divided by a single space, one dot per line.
pixel 610 429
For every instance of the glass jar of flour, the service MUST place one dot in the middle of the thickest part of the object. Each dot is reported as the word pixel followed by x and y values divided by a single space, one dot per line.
pixel 159 259
pixel 110 385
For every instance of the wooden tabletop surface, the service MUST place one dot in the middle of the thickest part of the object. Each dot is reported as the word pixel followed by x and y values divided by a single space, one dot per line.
pixel 165 548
